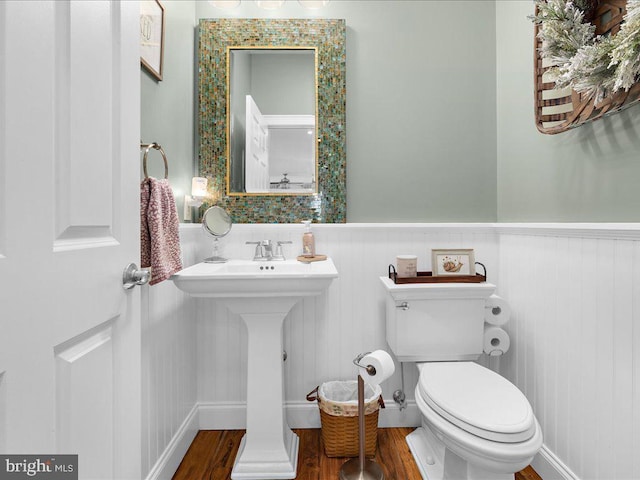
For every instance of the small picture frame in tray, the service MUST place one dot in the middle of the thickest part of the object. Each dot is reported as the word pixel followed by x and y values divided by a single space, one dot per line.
pixel 448 262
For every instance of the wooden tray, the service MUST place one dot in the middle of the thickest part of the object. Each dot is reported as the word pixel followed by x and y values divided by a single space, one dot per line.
pixel 427 277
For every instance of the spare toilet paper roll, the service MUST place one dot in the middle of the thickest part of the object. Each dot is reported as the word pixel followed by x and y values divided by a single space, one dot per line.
pixel 497 311
pixel 496 341
pixel 382 362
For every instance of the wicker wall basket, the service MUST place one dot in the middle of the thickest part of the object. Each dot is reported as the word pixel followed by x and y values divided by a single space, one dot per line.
pixel 558 110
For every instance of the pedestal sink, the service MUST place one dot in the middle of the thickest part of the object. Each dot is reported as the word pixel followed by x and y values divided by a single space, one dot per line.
pixel 262 294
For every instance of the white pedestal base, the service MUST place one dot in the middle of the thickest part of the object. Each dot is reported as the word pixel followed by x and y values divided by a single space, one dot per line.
pixel 269 449
pixel 284 467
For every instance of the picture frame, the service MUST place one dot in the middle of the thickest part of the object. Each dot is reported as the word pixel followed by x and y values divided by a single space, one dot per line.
pixel 453 262
pixel 152 37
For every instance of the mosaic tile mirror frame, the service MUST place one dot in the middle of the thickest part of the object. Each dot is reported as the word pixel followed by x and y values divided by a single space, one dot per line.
pixel 329 204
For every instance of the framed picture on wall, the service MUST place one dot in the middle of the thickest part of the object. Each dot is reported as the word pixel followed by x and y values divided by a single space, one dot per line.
pixel 152 36
pixel 453 262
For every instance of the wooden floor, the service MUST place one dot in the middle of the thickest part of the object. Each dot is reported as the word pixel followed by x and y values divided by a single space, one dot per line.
pixel 212 453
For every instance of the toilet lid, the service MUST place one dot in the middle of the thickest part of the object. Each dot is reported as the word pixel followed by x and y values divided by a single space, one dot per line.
pixel 477 400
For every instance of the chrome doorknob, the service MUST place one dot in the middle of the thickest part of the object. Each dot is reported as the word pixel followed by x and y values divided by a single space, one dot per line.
pixel 133 276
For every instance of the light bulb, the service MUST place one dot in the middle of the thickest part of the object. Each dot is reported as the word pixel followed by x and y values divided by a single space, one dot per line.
pixel 199 187
pixel 269 4
pixel 313 4
pixel 225 4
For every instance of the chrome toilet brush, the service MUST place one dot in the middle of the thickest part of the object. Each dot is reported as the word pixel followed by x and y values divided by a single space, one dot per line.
pixel 361 468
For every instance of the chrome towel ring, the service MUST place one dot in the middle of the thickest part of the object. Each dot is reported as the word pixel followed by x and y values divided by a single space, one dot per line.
pixel 147 147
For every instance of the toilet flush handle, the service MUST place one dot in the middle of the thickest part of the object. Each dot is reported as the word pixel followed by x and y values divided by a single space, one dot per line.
pixel 403 306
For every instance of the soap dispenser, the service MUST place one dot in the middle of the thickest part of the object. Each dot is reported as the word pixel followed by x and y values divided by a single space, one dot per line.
pixel 308 241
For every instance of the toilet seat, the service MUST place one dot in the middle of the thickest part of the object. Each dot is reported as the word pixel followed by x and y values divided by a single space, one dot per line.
pixel 477 400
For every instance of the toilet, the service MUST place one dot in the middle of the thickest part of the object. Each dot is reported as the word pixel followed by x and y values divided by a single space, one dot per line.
pixel 475 424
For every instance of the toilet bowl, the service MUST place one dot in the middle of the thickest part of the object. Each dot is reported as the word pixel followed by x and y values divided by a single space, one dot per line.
pixel 476 425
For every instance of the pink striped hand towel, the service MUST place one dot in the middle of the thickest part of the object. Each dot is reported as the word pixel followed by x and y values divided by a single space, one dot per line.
pixel 159 230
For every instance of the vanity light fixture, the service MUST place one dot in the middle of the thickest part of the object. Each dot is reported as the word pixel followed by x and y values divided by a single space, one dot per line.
pixel 269 4
pixel 313 4
pixel 198 193
pixel 225 4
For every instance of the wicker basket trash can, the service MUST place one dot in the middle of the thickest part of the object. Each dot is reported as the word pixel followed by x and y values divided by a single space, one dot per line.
pixel 338 404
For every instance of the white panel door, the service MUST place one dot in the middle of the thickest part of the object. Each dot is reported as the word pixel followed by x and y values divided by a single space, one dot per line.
pixel 69 224
pixel 257 147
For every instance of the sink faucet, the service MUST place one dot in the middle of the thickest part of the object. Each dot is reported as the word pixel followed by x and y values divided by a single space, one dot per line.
pixel 264 251
pixel 267 250
pixel 259 254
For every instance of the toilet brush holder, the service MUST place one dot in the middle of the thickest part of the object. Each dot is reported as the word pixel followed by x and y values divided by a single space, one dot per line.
pixel 361 468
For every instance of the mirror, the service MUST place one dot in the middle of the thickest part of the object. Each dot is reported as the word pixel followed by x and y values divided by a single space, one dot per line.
pixel 315 190
pixel 216 222
pixel 272 120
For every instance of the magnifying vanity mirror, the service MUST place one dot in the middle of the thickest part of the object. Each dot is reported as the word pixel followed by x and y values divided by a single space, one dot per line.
pixel 217 223
pixel 272 118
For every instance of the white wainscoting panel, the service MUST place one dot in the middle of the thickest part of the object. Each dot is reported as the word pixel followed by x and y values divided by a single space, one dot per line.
pixel 575 342
pixel 323 334
pixel 575 296
pixel 168 366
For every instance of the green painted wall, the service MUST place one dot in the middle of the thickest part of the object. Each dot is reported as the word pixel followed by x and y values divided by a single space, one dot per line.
pixel 167 107
pixel 589 174
pixel 421 104
pixel 421 143
pixel 439 117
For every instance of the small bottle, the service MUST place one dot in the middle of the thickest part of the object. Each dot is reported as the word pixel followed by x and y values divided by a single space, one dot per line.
pixel 308 241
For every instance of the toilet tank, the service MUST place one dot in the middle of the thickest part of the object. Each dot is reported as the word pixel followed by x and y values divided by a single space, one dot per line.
pixel 435 321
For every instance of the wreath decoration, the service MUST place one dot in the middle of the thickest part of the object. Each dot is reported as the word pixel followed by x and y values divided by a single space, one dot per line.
pixel 594 65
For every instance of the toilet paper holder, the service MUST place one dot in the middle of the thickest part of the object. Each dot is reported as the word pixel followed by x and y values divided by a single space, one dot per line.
pixel 371 370
pixel 361 468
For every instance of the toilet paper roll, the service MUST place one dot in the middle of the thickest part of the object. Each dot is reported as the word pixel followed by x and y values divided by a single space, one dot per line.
pixel 382 362
pixel 496 341
pixel 496 311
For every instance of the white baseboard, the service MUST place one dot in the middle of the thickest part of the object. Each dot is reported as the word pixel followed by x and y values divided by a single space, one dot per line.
pixel 232 416
pixel 171 457
pixel 550 467
pixel 391 416
pixel 222 415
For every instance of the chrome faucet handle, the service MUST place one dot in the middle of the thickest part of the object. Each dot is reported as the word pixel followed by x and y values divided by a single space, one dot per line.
pixel 279 255
pixel 258 255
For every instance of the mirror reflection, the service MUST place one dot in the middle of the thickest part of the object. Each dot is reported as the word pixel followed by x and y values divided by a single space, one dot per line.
pixel 217 223
pixel 272 137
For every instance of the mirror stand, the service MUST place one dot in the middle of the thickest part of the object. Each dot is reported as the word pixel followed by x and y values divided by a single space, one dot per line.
pixel 216 258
